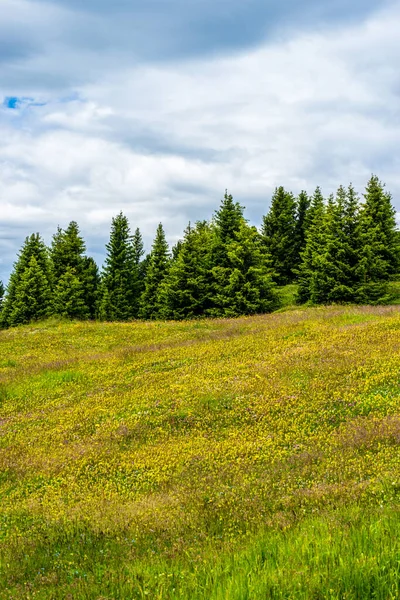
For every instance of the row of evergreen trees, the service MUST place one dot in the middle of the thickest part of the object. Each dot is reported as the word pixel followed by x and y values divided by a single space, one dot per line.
pixel 339 250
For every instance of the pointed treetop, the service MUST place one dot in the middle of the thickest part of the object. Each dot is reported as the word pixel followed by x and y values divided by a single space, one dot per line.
pixel 228 217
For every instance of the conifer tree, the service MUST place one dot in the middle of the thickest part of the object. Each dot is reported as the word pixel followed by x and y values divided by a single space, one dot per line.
pixel 90 280
pixel 118 279
pixel 143 268
pixel 32 297
pixel 68 253
pixel 380 250
pixel 308 271
pixel 176 248
pixel 138 247
pixel 33 247
pixel 69 296
pixel 343 247
pixel 245 282
pixel 186 291
pixel 103 305
pixel 151 302
pixel 2 292
pixel 302 207
pixel 139 270
pixel 316 201
pixel 227 222
pixel 225 225
pixel 279 235
pixel 333 276
pixel 352 237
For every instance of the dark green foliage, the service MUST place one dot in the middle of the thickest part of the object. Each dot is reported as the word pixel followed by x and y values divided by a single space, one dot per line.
pixel 308 272
pixel 68 258
pixel 69 296
pixel 302 207
pixel 139 269
pixel 228 218
pixel 176 249
pixel 33 297
pixel 351 253
pixel 187 292
pixel 2 292
pixel 380 248
pixel 243 285
pixel 151 302
pixel 90 280
pixel 117 293
pixel 227 222
pixel 328 272
pixel 33 247
pixel 138 247
pixel 316 201
pixel 240 266
pixel 339 251
pixel 279 235
pixel 67 251
pixel 143 268
pixel 335 279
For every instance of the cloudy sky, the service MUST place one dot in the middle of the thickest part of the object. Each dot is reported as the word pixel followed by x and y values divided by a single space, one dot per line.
pixel 154 107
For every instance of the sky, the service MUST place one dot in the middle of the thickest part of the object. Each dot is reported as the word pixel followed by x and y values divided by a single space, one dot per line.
pixel 155 107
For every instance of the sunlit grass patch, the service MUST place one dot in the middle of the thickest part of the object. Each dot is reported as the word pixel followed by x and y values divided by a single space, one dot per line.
pixel 245 458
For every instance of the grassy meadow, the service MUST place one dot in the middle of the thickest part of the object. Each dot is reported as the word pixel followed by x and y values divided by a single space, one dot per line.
pixel 239 459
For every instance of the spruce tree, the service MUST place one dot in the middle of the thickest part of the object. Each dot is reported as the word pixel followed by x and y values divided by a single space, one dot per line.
pixel 380 250
pixel 68 253
pixel 308 271
pixel 352 237
pixel 32 296
pixel 227 222
pixel 245 284
pixel 225 225
pixel 279 235
pixel 176 248
pixel 151 302
pixel 2 292
pixel 333 276
pixel 302 207
pixel 69 296
pixel 138 270
pixel 90 280
pixel 103 305
pixel 316 201
pixel 343 246
pixel 118 279
pixel 186 292
pixel 33 247
pixel 138 247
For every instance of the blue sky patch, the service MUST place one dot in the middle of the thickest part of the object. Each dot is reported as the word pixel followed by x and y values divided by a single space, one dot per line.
pixel 14 102
pixel 11 102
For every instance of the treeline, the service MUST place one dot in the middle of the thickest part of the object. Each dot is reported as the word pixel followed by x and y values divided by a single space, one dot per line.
pixel 337 250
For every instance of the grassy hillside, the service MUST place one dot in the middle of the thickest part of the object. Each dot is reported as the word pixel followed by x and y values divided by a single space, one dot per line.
pixel 226 459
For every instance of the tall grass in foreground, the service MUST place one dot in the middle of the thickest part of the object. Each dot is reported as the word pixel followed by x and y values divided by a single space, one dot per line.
pixel 241 459
pixel 349 554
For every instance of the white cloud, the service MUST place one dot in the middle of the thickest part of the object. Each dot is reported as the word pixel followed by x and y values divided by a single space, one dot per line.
pixel 163 142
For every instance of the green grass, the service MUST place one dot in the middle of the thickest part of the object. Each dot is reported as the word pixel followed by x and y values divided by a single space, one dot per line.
pixel 287 296
pixel 240 459
pixel 350 554
pixel 394 291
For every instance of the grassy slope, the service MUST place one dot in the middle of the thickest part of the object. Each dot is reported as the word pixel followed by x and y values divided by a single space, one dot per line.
pixel 249 458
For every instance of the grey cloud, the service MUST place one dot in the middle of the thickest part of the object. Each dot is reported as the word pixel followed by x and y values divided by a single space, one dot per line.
pixel 162 141
pixel 64 43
